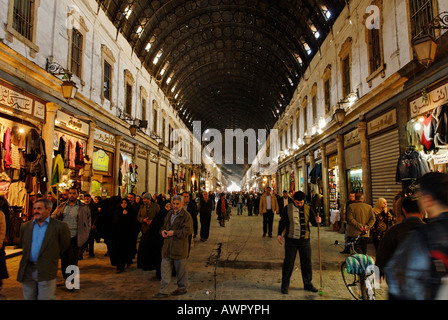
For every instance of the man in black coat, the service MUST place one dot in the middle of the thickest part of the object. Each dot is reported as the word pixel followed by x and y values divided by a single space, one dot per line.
pixel 397 233
pixel 205 214
pixel 192 209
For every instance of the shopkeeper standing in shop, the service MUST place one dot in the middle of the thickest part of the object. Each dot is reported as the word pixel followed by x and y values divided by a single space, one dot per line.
pixel 77 216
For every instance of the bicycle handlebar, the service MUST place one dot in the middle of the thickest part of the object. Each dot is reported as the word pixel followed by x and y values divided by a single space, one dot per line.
pixel 336 242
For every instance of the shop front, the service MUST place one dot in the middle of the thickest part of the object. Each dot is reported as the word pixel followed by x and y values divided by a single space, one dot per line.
pixel 427 136
pixel 128 169
pixel 353 162
pixel 384 153
pixel 333 182
pixel 23 168
pixel 152 172
pixel 102 164
pixel 69 146
pixel 162 176
pixel 140 171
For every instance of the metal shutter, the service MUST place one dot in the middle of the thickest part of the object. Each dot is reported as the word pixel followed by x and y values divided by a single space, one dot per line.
pixel 384 154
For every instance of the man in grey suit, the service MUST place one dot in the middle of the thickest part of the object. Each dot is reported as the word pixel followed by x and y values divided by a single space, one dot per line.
pixel 43 240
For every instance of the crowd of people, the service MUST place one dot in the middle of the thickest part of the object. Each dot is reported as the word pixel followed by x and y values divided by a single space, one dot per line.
pixel 411 252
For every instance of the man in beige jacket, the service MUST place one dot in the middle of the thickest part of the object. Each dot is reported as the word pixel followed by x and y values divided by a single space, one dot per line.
pixel 268 205
pixel 360 218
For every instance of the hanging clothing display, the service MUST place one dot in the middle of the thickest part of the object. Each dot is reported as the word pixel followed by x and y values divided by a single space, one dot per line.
pixel 316 173
pixel 7 148
pixel 411 166
pixel 440 115
pixel 428 133
pixel 58 170
pixel 17 194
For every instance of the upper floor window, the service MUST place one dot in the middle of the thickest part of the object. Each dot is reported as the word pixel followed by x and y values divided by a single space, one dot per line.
pixel 128 99
pixel 305 115
pixel 76 53
pixel 163 130
pixel 326 79
pixel 314 103
pixel 128 92
pixel 374 42
pixel 22 21
pixel 107 80
pixel 422 13
pixel 77 44
pixel 327 96
pixel 345 63
pixel 108 62
pixel 297 126
pixel 154 119
pixel 346 78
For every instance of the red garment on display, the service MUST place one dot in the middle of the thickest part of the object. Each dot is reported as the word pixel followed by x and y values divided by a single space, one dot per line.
pixel 428 133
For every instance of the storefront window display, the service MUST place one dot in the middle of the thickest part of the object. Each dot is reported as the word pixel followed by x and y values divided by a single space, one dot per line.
pixel 333 181
pixel 129 173
pixel 427 151
pixel 102 180
pixel 354 179
pixel 23 174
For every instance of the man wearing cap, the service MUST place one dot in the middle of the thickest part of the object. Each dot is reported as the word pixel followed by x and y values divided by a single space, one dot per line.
pixel 294 228
pixel 147 212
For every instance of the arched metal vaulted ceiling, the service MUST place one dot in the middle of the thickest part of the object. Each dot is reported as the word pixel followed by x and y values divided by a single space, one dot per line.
pixel 231 63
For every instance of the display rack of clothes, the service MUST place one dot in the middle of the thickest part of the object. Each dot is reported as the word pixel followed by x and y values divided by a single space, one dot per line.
pixel 72 152
pixel 23 172
pixel 431 131
pixel 411 165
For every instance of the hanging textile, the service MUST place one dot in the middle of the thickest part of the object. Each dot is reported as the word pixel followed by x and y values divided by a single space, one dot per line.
pixel 440 115
pixel 410 166
pixel 428 133
pixel 58 170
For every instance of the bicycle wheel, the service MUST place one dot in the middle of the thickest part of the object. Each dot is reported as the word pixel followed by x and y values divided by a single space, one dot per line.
pixel 352 282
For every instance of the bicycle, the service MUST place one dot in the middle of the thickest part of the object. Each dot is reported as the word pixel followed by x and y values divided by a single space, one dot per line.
pixel 358 273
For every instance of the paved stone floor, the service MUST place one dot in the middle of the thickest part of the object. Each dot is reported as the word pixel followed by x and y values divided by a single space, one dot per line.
pixel 236 263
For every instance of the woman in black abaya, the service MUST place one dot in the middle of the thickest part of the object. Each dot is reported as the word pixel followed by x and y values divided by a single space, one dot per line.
pixel 149 252
pixel 121 235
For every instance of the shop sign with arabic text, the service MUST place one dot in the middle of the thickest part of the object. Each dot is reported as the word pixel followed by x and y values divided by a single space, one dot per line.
pixel 430 101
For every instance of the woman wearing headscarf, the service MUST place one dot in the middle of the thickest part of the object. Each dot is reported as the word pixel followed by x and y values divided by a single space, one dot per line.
pixel 384 219
pixel 150 250
pixel 121 249
pixel 221 210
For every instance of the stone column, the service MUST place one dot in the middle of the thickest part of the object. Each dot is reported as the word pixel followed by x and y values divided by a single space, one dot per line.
pixel 167 164
pixel 365 161
pixel 295 169
pixel 312 164
pixel 48 137
pixel 117 165
pixel 342 170
pixel 158 175
pixel 325 187
pixel 148 167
